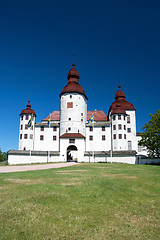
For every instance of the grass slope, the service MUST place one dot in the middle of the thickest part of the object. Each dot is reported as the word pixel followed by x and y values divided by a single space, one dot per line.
pixel 87 201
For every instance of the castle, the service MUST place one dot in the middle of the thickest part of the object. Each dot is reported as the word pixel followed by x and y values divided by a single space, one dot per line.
pixel 76 134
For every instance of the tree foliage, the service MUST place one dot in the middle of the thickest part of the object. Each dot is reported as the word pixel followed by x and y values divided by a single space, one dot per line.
pixel 151 135
pixel 3 156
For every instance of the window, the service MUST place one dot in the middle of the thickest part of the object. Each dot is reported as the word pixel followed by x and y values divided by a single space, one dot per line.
pixel 32 127
pixel 103 128
pixel 120 136
pixel 31 136
pixel 42 128
pixel 114 117
pixel 71 140
pixel 114 127
pixel 124 118
pixel 69 119
pixel 20 136
pixel 54 138
pixel 54 129
pixel 119 126
pixel 124 136
pixel 124 127
pixel 70 96
pixel 41 137
pixel 21 117
pixel 103 137
pixel 81 120
pixel 25 136
pixel 21 127
pixel 69 129
pixel 129 145
pixel 90 138
pixel 119 117
pixel 91 129
pixel 81 114
pixel 128 119
pixel 27 117
pixel 26 126
pixel 69 104
pixel 114 136
pixel 129 130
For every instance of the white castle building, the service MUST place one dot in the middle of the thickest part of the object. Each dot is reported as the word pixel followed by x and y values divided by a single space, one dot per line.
pixel 76 134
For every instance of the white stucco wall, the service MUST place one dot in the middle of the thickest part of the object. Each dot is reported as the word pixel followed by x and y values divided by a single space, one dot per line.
pixel 14 159
pixel 77 114
pixel 97 144
pixel 47 144
pixel 79 144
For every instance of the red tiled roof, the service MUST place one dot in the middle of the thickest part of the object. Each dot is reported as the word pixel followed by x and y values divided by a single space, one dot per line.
pixel 54 116
pixel 73 85
pixel 120 99
pixel 28 110
pixel 118 110
pixel 97 116
pixel 72 135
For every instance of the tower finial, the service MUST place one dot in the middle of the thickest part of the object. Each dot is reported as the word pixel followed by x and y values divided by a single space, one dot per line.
pixel 119 85
pixel 73 58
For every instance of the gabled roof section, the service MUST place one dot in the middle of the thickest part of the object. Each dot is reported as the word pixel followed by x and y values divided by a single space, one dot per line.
pixel 54 116
pixel 97 116
pixel 72 135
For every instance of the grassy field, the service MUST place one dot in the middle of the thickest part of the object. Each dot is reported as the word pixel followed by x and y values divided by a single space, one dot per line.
pixel 86 201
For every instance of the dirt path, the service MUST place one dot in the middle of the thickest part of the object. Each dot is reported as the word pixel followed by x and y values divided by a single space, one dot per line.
pixel 5 169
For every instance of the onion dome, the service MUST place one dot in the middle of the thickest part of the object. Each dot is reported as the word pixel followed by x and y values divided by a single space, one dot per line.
pixel 120 99
pixel 118 110
pixel 73 74
pixel 28 110
pixel 73 85
pixel 119 94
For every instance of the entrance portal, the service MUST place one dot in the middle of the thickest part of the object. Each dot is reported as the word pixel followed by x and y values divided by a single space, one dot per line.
pixel 72 154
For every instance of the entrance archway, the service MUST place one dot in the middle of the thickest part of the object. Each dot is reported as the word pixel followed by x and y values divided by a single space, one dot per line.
pixel 72 155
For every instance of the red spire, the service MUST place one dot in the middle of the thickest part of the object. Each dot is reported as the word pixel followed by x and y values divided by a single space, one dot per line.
pixel 73 82
pixel 73 75
pixel 28 110
pixel 119 94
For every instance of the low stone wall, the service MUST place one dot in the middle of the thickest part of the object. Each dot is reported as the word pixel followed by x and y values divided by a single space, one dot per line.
pixel 115 159
pixel 30 157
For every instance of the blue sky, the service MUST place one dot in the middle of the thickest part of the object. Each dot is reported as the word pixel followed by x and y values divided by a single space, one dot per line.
pixel 114 41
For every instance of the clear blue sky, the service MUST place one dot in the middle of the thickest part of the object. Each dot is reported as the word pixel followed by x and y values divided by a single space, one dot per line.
pixel 113 41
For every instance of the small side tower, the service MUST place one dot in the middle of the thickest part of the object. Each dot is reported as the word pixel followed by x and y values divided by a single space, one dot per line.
pixel 27 128
pixel 118 116
pixel 122 114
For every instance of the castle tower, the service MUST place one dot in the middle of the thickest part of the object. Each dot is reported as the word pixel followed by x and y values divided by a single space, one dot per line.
pixel 27 128
pixel 122 114
pixel 73 105
pixel 73 116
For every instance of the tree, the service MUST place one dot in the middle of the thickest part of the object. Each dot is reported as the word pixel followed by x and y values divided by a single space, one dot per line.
pixel 3 156
pixel 151 135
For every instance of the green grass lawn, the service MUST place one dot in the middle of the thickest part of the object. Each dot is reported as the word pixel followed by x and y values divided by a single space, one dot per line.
pixel 86 201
